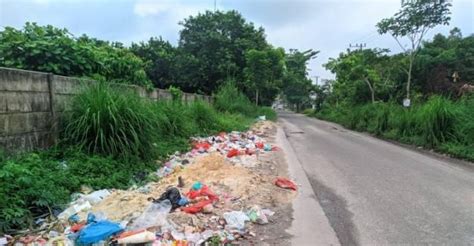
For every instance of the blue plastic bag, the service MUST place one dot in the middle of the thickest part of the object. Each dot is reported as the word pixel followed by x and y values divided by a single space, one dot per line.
pixel 96 232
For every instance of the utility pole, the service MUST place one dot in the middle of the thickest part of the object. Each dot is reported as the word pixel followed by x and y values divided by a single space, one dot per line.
pixel 316 79
pixel 215 5
pixel 360 46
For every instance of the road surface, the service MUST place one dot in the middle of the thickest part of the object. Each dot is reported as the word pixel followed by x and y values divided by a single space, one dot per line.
pixel 376 192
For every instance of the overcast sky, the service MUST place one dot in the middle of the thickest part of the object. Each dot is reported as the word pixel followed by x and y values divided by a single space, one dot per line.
pixel 325 25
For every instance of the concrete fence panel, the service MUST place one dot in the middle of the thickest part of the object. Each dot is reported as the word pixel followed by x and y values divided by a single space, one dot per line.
pixel 32 103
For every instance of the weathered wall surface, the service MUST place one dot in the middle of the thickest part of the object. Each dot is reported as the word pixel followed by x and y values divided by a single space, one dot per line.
pixel 31 104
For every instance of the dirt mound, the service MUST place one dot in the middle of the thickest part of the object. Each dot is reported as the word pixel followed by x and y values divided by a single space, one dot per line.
pixel 237 183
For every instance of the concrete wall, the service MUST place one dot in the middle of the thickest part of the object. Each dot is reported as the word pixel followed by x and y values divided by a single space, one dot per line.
pixel 31 105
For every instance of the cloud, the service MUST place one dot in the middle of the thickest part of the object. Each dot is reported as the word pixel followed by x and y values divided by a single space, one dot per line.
pixel 147 8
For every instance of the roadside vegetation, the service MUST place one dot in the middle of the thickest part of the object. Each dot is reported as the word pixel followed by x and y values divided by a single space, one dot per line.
pixel 435 75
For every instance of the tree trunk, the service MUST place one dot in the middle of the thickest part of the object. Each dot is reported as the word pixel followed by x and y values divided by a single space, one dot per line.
pixel 372 92
pixel 256 97
pixel 409 75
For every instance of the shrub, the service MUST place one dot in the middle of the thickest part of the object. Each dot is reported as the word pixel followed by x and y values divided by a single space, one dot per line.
pixel 229 99
pixel 308 111
pixel 31 185
pixel 204 117
pixel 111 121
pixel 269 113
pixel 55 50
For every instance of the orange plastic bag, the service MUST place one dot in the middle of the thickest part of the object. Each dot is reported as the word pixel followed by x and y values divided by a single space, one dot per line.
pixel 285 183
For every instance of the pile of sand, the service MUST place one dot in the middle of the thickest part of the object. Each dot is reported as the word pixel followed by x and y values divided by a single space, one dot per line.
pixel 223 178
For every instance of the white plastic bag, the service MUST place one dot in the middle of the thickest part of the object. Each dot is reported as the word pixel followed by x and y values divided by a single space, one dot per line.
pixel 236 219
pixel 154 215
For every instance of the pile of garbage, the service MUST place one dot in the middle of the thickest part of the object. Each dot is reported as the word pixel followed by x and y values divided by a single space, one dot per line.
pixel 208 194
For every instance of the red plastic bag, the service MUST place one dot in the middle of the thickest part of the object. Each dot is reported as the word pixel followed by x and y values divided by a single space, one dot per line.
pixel 204 191
pixel 285 183
pixel 197 207
pixel 232 153
pixel 203 145
pixel 259 145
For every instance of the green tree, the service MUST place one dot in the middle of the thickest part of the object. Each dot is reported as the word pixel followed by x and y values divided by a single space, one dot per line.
pixel 368 66
pixel 296 84
pixel 159 56
pixel 218 41
pixel 264 71
pixel 413 21
pixel 438 60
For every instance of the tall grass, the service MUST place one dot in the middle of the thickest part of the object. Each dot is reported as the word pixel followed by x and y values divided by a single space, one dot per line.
pixel 230 99
pixel 436 121
pixel 111 121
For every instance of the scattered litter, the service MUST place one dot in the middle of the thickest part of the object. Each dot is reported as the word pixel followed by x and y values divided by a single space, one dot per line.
pixel 221 193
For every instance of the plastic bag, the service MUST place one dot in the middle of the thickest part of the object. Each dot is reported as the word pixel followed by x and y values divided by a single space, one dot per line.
pixel 197 207
pixel 99 231
pixel 285 183
pixel 75 208
pixel 232 153
pixel 204 191
pixel 154 215
pixel 236 219
pixel 258 215
pixel 96 196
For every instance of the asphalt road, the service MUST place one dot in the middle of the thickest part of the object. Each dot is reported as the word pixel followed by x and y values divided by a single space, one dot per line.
pixel 376 192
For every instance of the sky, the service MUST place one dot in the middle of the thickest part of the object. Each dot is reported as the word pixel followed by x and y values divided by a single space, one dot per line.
pixel 329 26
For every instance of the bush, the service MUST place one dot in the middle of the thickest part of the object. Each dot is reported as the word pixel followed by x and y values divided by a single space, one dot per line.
pixel 55 50
pixel 308 111
pixel 31 185
pixel 229 99
pixel 111 121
